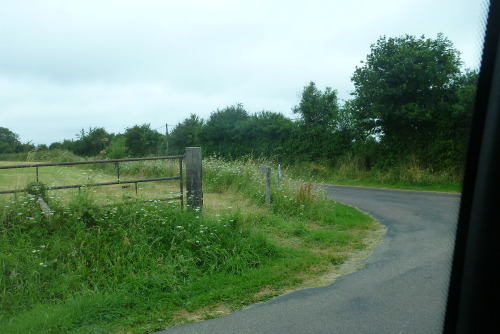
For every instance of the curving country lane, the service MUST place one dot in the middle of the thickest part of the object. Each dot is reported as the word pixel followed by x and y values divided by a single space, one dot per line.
pixel 401 288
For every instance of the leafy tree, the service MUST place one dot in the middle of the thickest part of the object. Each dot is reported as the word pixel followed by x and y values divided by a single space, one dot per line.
pixel 324 127
pixel 186 134
pixel 142 141
pixel 225 132
pixel 269 134
pixel 453 126
pixel 29 146
pixel 65 145
pixel 9 141
pixel 91 142
pixel 406 86
pixel 316 108
pixel 117 148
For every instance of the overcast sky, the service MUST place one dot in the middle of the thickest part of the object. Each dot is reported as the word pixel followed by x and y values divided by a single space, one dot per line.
pixel 70 65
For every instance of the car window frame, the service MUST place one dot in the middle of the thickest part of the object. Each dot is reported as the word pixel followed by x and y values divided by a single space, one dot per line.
pixel 474 279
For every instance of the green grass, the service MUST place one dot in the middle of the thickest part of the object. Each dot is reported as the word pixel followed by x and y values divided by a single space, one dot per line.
pixel 375 182
pixel 409 176
pixel 51 176
pixel 136 267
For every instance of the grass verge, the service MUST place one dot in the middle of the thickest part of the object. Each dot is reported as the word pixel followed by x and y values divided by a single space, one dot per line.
pixel 408 176
pixel 137 267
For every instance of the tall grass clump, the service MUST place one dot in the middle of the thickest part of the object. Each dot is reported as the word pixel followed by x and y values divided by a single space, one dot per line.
pixel 221 175
pixel 291 197
pixel 53 155
pixel 148 168
pixel 148 256
pixel 355 169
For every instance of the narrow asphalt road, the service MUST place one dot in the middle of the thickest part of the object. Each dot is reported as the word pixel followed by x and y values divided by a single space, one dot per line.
pixel 401 289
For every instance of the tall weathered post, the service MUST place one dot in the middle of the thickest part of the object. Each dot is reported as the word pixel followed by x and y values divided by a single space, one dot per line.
pixel 194 190
pixel 268 185
pixel 266 171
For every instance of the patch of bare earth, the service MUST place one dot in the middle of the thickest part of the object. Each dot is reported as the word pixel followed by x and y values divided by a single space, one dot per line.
pixel 355 261
pixel 208 312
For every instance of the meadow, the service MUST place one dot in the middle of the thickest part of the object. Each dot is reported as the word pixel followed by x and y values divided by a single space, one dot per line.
pixel 108 261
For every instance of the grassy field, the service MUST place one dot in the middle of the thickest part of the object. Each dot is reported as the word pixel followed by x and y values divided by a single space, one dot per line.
pixel 112 263
pixel 52 176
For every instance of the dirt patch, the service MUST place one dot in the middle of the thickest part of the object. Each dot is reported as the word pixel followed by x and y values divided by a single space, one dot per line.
pixel 266 293
pixel 354 263
pixel 205 313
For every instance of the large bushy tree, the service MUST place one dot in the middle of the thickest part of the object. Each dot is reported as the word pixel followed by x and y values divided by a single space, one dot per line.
pixel 225 132
pixel 270 134
pixel 406 90
pixel 186 134
pixel 9 141
pixel 142 141
pixel 91 142
pixel 452 128
pixel 66 144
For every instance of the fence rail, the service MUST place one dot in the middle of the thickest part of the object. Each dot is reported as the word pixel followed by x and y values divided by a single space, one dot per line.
pixel 117 162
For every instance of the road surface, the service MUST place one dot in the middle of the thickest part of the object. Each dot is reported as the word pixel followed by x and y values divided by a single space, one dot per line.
pixel 401 289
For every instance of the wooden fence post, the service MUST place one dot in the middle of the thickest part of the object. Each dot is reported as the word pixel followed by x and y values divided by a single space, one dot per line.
pixel 268 185
pixel 194 190
pixel 267 171
pixel 279 175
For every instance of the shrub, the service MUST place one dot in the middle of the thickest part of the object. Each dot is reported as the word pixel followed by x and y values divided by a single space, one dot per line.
pixel 37 189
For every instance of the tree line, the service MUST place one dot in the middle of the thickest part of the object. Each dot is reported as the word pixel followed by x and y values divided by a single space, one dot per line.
pixel 412 100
